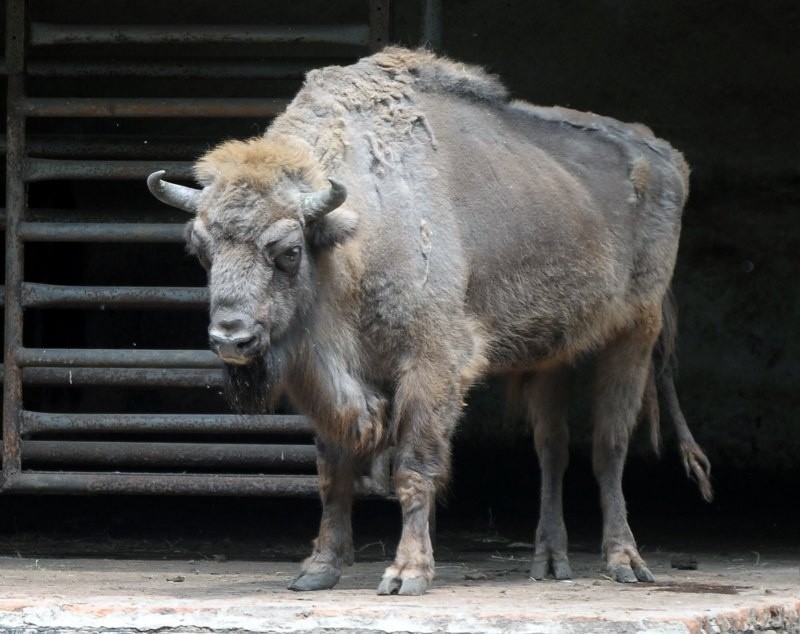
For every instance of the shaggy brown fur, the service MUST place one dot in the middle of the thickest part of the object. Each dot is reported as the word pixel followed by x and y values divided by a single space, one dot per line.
pixel 477 236
pixel 258 163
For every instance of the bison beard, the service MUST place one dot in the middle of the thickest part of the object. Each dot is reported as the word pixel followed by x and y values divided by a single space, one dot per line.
pixel 253 388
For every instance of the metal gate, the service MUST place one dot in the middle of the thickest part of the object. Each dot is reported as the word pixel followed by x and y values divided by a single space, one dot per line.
pixel 108 387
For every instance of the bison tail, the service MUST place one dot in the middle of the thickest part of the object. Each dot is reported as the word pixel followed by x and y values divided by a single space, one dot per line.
pixel 661 380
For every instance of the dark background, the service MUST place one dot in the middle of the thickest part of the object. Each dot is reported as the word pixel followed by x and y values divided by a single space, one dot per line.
pixel 721 81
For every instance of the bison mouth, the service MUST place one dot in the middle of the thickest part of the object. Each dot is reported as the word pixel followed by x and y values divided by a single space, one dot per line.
pixel 253 382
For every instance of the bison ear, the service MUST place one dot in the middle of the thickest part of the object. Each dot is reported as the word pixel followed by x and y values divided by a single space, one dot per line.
pixel 333 228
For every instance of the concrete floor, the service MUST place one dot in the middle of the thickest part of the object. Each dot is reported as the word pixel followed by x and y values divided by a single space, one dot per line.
pixel 484 591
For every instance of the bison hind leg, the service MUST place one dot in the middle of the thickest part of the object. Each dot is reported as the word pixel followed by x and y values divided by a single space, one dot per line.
pixel 622 374
pixel 545 395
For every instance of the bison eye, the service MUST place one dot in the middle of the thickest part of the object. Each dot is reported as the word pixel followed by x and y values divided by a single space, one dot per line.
pixel 288 260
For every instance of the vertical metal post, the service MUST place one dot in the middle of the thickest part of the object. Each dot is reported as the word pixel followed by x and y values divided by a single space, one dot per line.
pixel 431 27
pixel 379 21
pixel 15 210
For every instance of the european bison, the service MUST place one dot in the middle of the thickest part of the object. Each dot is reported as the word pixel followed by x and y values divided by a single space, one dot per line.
pixel 402 230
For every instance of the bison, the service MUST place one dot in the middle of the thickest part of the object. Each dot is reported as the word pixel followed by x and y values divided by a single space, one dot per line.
pixel 404 229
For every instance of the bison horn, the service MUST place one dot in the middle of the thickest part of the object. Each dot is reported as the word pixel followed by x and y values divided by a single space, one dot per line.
pixel 324 201
pixel 186 198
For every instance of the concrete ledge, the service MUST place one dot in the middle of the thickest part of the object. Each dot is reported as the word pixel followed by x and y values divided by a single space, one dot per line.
pixel 478 593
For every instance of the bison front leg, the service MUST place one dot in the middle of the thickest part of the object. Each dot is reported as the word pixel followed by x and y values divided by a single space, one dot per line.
pixel 622 375
pixel 334 545
pixel 426 409
pixel 413 569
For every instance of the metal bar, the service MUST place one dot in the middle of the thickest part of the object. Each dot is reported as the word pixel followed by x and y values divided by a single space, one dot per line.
pixel 146 107
pixel 47 423
pixel 161 215
pixel 131 297
pixel 379 24
pixel 123 377
pixel 163 484
pixel 98 358
pixel 159 146
pixel 261 69
pixel 46 34
pixel 100 232
pixel 431 27
pixel 155 147
pixel 37 169
pixel 15 256
pixel 167 455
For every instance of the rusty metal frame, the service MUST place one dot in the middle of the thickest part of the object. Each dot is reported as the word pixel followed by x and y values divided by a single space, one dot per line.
pixel 15 214
pixel 46 34
pixel 80 463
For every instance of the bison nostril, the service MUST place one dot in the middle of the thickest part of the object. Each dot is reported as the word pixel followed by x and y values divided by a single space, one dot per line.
pixel 246 345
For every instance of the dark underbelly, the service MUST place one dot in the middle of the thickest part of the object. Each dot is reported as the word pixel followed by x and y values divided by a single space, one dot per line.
pixel 524 348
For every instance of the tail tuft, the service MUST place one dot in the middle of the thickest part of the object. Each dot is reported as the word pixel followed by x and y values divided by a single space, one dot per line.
pixel 662 372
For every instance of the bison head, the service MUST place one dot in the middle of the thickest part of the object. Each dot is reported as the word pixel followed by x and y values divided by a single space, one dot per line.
pixel 260 223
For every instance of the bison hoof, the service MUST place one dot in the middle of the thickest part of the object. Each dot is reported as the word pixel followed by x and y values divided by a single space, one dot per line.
pixel 414 586
pixel 306 581
pixel 411 586
pixel 558 568
pixel 632 573
pixel 389 585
